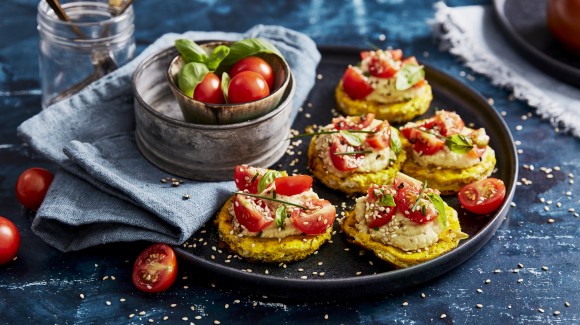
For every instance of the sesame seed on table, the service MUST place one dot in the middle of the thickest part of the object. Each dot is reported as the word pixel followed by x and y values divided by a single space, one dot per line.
pixel 528 272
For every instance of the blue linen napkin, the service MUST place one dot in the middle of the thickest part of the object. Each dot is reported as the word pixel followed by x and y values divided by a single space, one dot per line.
pixel 105 190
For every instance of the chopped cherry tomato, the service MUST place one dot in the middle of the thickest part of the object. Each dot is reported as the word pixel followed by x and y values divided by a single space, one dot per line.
pixel 396 54
pixel 252 213
pixel 423 142
pixel 256 64
pixel 247 86
pixel 341 157
pixel 353 122
pixel 449 123
pixel 408 190
pixel 292 185
pixel 381 67
pixel 32 186
pixel 209 90
pixel 247 178
pixel 155 269
pixel 410 60
pixel 355 85
pixel 382 138
pixel 477 152
pixel 381 214
pixel 483 196
pixel 314 221
pixel 9 240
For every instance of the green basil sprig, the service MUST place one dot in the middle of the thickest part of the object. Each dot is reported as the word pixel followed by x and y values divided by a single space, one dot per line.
pixel 409 75
pixel 281 216
pixel 190 51
pixel 352 139
pixel 440 207
pixel 249 47
pixel 396 145
pixel 190 76
pixel 458 143
pixel 267 179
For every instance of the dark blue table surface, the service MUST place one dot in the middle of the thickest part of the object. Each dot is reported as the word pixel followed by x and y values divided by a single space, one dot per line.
pixel 45 285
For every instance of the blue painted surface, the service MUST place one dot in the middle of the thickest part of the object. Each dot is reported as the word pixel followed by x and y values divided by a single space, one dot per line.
pixel 44 285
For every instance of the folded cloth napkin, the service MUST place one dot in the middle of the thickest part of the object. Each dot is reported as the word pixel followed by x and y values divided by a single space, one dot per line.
pixel 105 191
pixel 471 33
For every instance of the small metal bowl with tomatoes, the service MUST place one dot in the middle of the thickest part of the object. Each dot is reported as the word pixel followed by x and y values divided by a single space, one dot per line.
pixel 202 151
pixel 247 97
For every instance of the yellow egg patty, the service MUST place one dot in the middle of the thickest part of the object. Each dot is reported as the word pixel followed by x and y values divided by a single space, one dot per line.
pixel 356 182
pixel 268 250
pixel 448 239
pixel 394 113
pixel 450 180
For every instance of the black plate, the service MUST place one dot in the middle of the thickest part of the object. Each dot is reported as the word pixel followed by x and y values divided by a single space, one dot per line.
pixel 525 24
pixel 340 270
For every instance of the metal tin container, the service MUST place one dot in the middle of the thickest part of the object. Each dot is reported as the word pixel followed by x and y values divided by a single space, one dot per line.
pixel 199 151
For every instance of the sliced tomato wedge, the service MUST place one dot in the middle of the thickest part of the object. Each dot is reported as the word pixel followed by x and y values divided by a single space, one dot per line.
pixel 483 196
pixel 155 269
pixel 381 213
pixel 247 178
pixel 252 213
pixel 341 158
pixel 423 142
pixel 355 85
pixel 449 123
pixel 292 185
pixel 410 60
pixel 396 54
pixel 353 122
pixel 381 139
pixel 320 215
pixel 380 67
pixel 408 190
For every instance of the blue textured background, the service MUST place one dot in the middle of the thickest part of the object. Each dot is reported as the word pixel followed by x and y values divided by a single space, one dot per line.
pixel 44 285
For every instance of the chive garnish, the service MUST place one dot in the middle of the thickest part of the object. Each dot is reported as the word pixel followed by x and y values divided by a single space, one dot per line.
pixel 353 152
pixel 302 135
pixel 272 199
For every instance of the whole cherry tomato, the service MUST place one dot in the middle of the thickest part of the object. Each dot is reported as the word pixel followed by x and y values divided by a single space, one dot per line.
pixel 32 186
pixel 247 86
pixel 9 240
pixel 256 64
pixel 209 90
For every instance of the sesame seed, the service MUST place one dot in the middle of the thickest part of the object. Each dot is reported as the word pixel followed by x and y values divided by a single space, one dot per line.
pixel 442 316
pixel 108 303
pixel 131 315
pixel 487 281
pixel 325 316
pixel 556 312
pixel 479 291
pixel 540 310
pixel 150 320
pixel 520 280
pixel 479 306
pixel 547 208
pixel 422 295
pixel 405 303
pixel 519 127
pixel 497 271
pixel 197 317
pixel 165 317
pixel 82 296
pixel 520 265
pixel 515 271
pixel 216 322
pixel 173 305
pixel 142 313
pixel 567 304
pixel 550 220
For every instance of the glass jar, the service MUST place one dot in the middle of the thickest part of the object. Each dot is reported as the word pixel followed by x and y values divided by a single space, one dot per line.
pixel 73 54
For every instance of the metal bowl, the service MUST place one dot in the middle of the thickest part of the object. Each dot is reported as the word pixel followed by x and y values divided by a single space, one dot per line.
pixel 206 113
pixel 202 151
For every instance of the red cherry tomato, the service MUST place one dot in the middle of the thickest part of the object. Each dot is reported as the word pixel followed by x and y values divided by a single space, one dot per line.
pixel 381 214
pixel 353 122
pixel 449 123
pixel 256 64
pixel 381 67
pixel 32 186
pixel 247 178
pixel 476 152
pixel 9 240
pixel 483 196
pixel 410 60
pixel 292 185
pixel 252 213
pixel 155 269
pixel 314 221
pixel 423 142
pixel 396 54
pixel 344 162
pixel 408 191
pixel 247 86
pixel 354 84
pixel 381 139
pixel 563 17
pixel 209 90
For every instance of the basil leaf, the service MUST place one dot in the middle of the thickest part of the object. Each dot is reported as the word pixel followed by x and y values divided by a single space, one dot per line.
pixel 190 76
pixel 387 200
pixel 281 216
pixel 267 179
pixel 459 143
pixel 225 84
pixel 440 206
pixel 190 51
pixel 395 142
pixel 217 56
pixel 409 75
pixel 249 47
pixel 352 139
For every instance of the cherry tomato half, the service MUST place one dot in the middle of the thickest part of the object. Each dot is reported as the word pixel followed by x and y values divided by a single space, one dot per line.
pixel 449 123
pixel 381 67
pixel 247 178
pixel 32 186
pixel 341 158
pixel 423 142
pixel 209 90
pixel 292 185
pixel 155 269
pixel 9 240
pixel 380 215
pixel 382 138
pixel 408 190
pixel 256 64
pixel 353 122
pixel 314 221
pixel 252 213
pixel 247 86
pixel 483 196
pixel 354 84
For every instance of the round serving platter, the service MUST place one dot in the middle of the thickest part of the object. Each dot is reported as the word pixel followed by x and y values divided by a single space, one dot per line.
pixel 524 22
pixel 340 270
